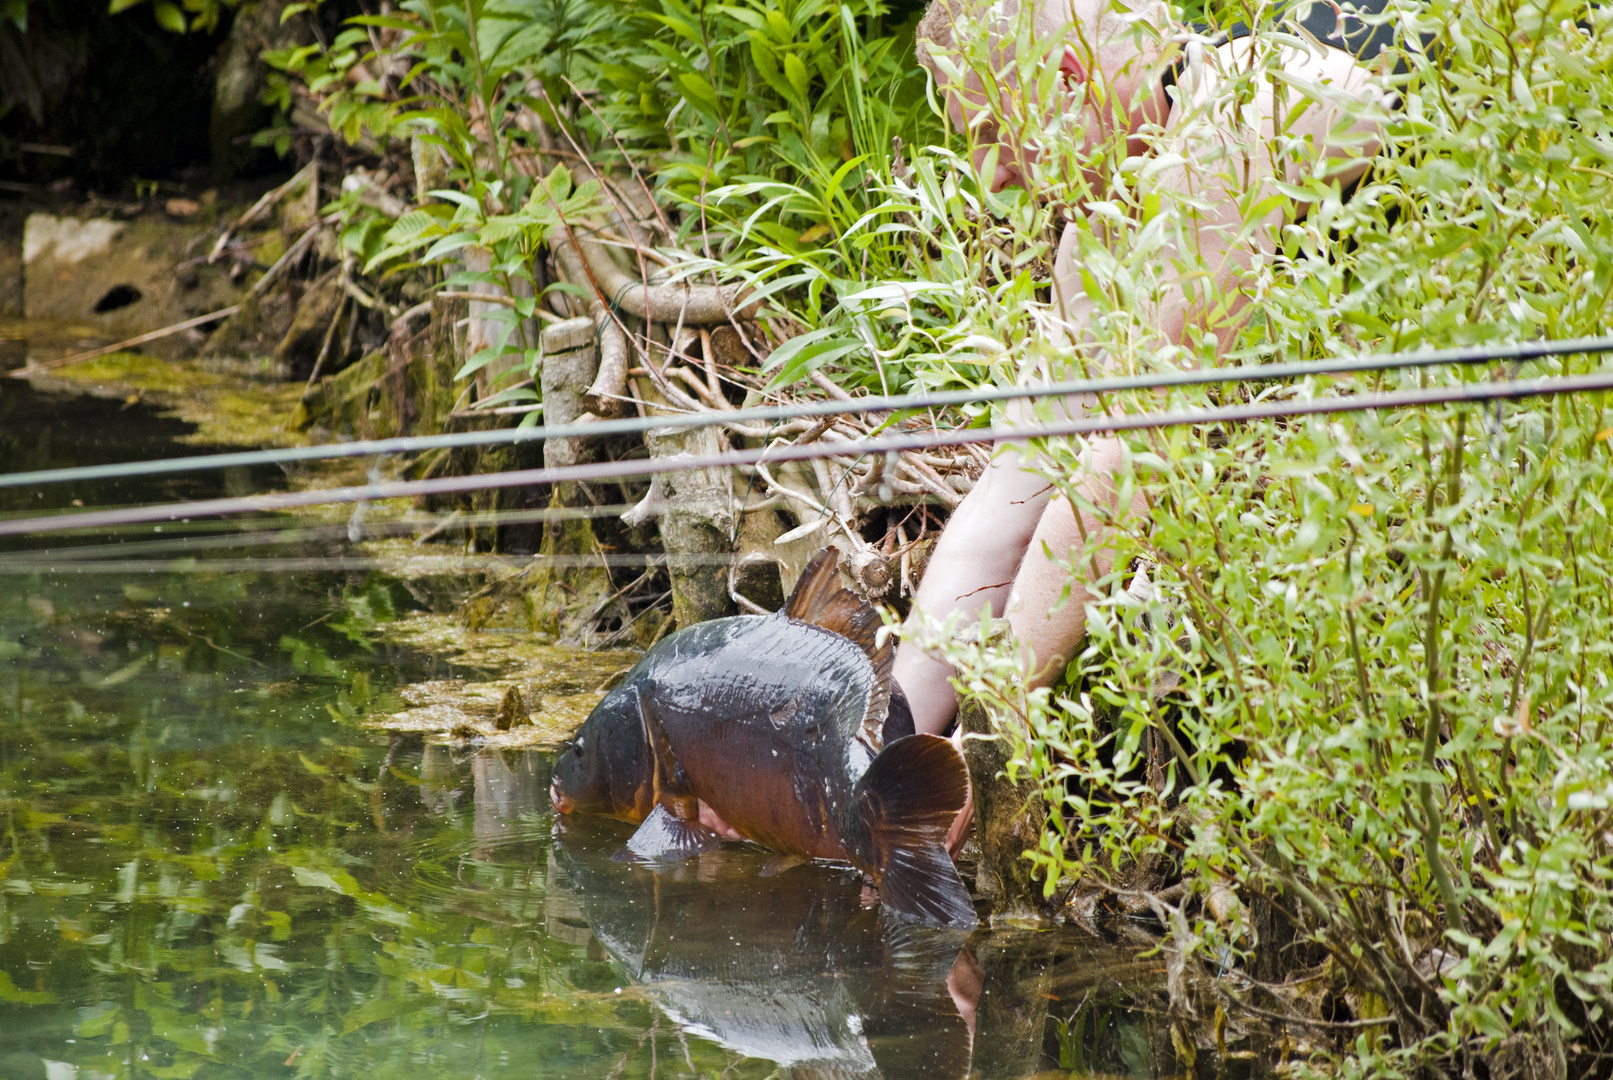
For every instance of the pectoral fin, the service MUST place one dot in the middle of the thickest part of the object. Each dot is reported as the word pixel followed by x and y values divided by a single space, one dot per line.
pixel 667 779
pixel 672 830
pixel 666 838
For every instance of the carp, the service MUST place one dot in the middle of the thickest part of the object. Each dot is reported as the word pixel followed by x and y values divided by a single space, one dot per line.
pixel 777 722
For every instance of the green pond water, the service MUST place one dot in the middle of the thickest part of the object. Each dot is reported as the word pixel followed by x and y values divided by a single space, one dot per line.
pixel 209 869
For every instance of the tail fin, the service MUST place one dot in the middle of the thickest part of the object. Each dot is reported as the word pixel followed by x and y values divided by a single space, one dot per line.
pixel 908 797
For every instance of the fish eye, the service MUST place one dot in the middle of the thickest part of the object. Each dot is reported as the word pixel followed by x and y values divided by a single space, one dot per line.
pixel 578 746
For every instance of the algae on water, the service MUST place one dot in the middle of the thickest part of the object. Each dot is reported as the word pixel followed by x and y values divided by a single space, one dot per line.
pixel 557 687
pixel 228 407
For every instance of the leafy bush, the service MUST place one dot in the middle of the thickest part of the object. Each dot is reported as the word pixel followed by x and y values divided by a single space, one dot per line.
pixel 1392 731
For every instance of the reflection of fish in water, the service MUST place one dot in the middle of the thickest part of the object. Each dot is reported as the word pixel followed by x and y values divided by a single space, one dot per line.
pixel 790 969
pixel 776 722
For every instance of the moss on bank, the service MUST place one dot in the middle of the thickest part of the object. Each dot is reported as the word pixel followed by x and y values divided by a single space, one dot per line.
pixel 229 407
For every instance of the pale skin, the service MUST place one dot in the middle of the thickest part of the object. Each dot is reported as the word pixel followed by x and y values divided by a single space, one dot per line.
pixel 1008 545
pixel 1010 541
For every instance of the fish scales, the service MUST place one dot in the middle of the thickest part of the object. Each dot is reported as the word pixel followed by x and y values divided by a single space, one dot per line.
pixel 717 698
pixel 776 723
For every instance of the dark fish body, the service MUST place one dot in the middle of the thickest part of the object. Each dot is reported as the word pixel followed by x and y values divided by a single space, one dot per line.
pixel 776 722
pixel 758 706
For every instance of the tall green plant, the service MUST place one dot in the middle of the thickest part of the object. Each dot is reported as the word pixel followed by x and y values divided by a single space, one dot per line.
pixel 474 69
pixel 1393 728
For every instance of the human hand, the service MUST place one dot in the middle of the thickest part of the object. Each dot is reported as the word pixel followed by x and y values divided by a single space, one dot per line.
pixel 709 818
pixel 959 830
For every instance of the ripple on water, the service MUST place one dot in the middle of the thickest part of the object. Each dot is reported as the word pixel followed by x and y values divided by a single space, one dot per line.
pixel 212 868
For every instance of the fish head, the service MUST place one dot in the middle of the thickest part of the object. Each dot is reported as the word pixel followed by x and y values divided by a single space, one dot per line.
pixel 606 768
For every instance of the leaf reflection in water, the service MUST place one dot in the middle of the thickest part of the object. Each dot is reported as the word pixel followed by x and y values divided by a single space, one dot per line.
pixel 210 868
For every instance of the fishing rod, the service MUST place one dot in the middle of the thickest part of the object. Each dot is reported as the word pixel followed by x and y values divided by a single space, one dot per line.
pixel 1531 350
pixel 1467 393
pixel 436 564
pixel 276 532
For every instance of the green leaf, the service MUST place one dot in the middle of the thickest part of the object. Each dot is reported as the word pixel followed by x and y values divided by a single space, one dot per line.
pixel 478 360
pixel 510 396
pixel 783 32
pixel 752 19
pixel 698 87
pixel 448 245
pixel 796 72
pixel 410 227
pixel 10 993
pixel 458 198
pixel 809 359
pixel 499 228
pixel 169 17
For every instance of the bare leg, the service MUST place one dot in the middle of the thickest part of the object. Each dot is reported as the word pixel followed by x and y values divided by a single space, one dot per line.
pixel 975 563
pixel 1047 629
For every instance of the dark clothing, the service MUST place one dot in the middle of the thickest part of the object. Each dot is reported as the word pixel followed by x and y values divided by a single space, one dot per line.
pixel 1332 24
pixel 1328 23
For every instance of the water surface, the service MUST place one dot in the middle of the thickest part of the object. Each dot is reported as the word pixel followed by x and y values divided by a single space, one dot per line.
pixel 208 868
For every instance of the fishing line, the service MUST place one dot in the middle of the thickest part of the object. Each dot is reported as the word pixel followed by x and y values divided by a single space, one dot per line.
pixel 609 470
pixel 279 531
pixel 427 565
pixel 1532 350
pixel 307 521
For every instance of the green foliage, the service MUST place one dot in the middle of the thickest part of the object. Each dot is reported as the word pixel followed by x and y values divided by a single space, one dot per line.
pixel 770 127
pixel 777 117
pixel 1394 717
pixel 471 70
pixel 176 18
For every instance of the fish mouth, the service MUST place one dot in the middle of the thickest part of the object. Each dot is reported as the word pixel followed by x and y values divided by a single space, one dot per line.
pixel 562 805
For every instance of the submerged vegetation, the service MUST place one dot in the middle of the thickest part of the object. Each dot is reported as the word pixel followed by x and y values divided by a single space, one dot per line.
pixel 1341 720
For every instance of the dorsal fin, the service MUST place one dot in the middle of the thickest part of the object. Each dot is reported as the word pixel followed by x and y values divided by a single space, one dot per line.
pixel 821 600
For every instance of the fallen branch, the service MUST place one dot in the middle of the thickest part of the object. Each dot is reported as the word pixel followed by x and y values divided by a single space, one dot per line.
pixel 324 347
pixel 351 288
pixel 370 192
pixel 401 323
pixel 309 172
pixel 606 396
pixel 828 386
pixel 51 365
pixel 292 254
pixel 586 263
